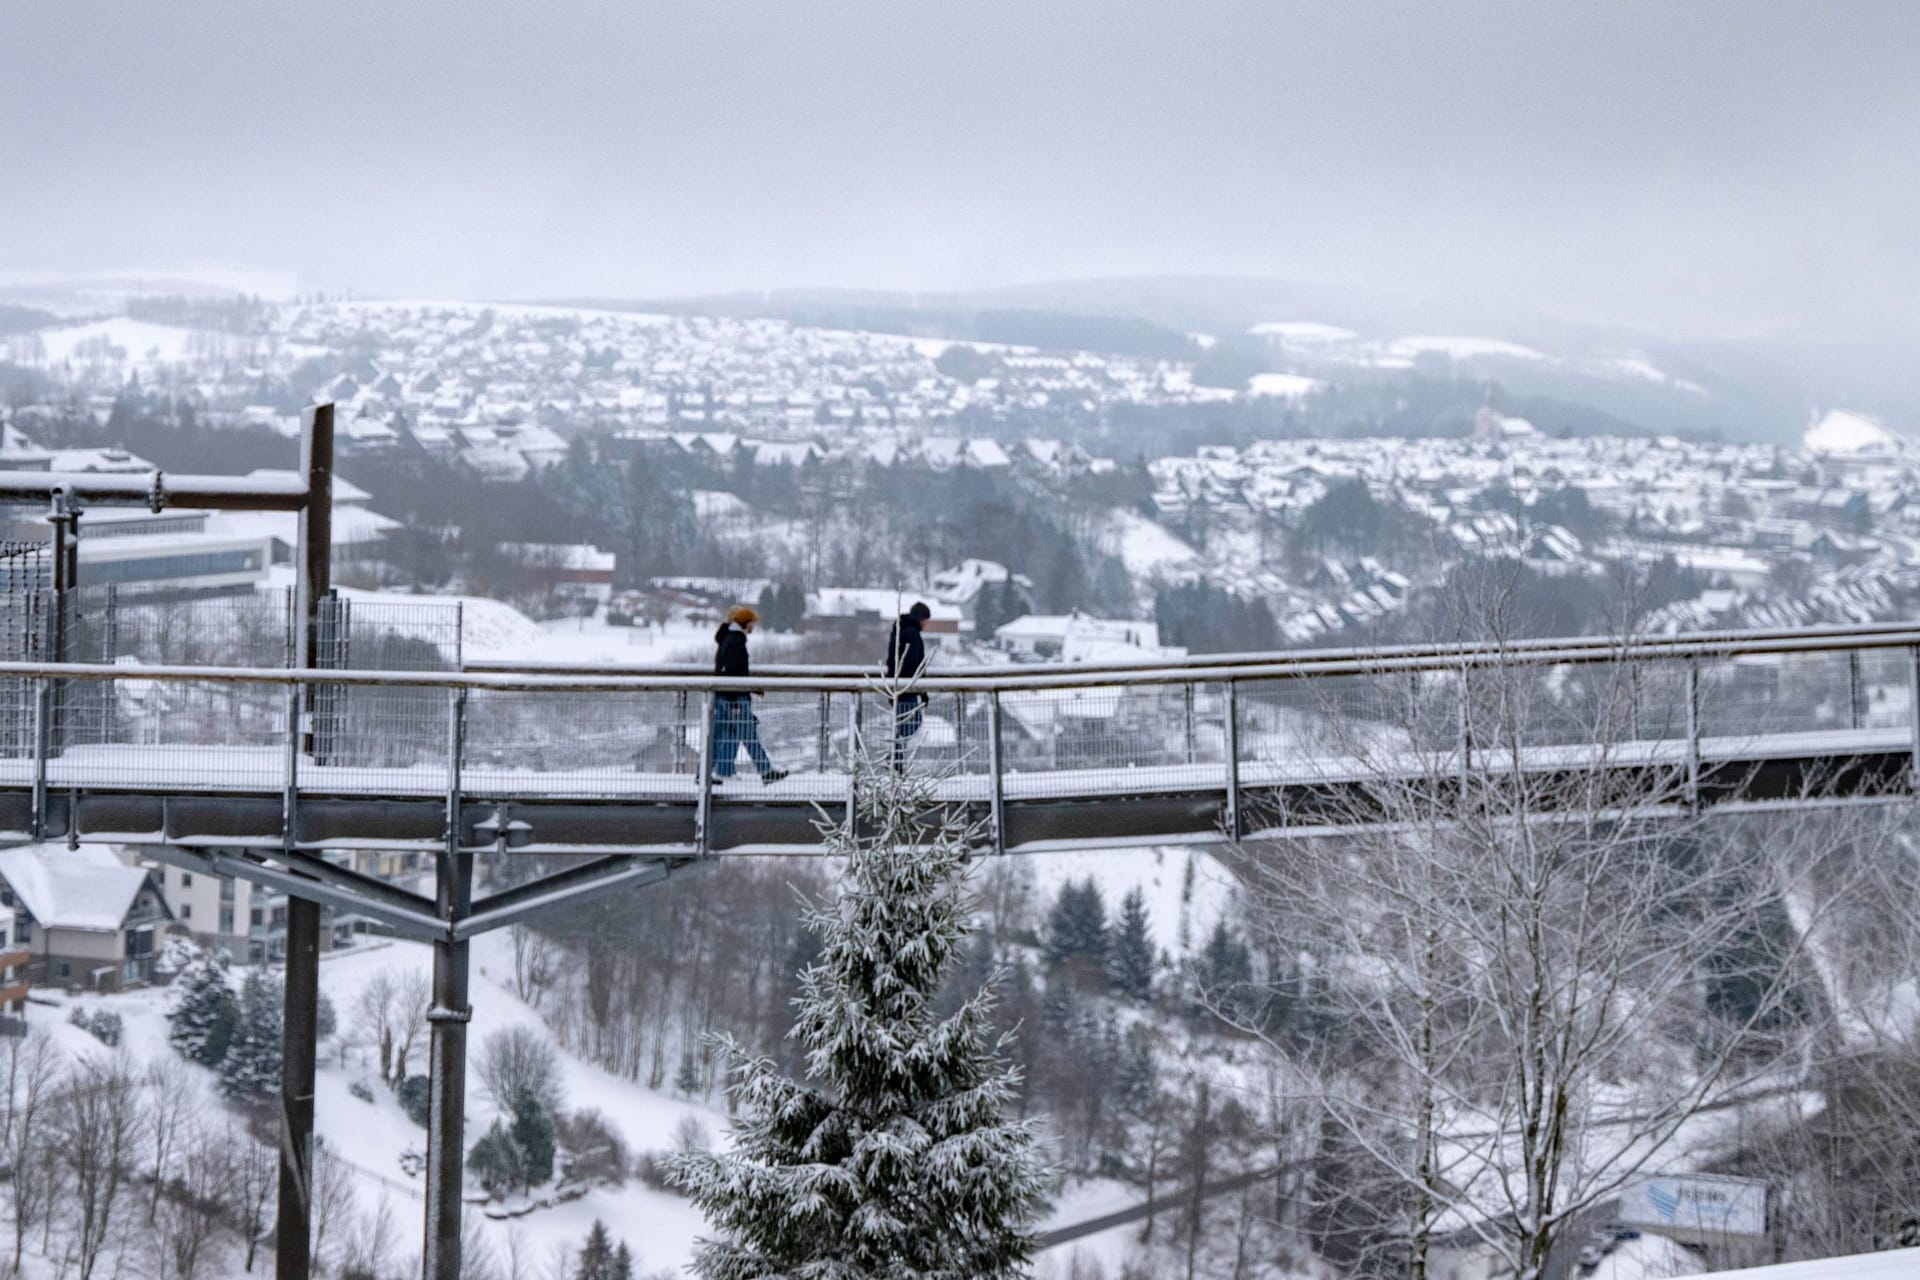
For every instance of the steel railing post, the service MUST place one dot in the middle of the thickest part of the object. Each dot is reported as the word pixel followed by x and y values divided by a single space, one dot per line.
pixel 1693 732
pixel 1913 711
pixel 1463 733
pixel 1186 698
pixel 996 771
pixel 1856 709
pixel 1233 760
pixel 42 728
pixel 456 749
pixel 290 802
pixel 853 763
pixel 680 731
pixel 823 745
pixel 703 765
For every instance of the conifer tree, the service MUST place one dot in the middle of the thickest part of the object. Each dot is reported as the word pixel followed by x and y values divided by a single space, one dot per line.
pixel 532 1134
pixel 1077 933
pixel 1130 955
pixel 495 1160
pixel 596 1255
pixel 1223 974
pixel 251 1067
pixel 200 1025
pixel 897 1158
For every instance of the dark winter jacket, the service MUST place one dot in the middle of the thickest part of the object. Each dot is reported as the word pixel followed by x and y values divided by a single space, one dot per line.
pixel 906 651
pixel 730 659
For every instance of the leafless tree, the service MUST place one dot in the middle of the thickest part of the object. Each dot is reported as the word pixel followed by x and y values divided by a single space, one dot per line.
pixel 519 1254
pixel 516 1061
pixel 533 967
pixel 476 1255
pixel 34 1069
pixel 412 995
pixel 1546 960
pixel 169 1097
pixel 256 1183
pixel 193 1210
pixel 99 1129
pixel 333 1202
pixel 369 1250
pixel 374 1011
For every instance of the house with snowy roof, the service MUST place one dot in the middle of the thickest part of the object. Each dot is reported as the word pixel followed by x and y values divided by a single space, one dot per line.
pixel 85 917
pixel 962 586
pixel 1079 637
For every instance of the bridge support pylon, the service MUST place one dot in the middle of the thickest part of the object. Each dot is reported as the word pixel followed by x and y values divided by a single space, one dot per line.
pixel 447 1074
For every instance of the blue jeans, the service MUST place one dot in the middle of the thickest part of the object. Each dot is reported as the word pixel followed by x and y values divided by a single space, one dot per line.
pixel 907 715
pixel 734 726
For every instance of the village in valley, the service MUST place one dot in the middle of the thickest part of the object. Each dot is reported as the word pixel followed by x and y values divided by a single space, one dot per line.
pixel 802 470
pixel 1327 535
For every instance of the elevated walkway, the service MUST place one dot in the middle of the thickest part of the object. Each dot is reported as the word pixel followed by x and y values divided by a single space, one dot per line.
pixel 1214 750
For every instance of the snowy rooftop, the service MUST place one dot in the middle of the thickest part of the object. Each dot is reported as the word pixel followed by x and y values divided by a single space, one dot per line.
pixel 85 888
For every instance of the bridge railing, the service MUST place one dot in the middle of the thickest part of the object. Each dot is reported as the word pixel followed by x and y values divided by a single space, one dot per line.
pixel 1012 735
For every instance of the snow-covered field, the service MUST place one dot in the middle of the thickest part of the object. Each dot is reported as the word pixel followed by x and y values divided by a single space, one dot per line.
pixel 1146 547
pixel 121 340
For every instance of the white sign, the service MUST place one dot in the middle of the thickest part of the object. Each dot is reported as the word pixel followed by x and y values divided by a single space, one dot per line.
pixel 1696 1206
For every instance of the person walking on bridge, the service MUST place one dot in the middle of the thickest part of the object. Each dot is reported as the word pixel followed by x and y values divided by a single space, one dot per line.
pixel 906 658
pixel 734 724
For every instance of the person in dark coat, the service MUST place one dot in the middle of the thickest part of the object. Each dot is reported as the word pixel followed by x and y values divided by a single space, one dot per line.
pixel 906 658
pixel 734 724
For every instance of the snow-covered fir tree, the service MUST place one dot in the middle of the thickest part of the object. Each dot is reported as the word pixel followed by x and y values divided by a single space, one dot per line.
pixel 897 1159
pixel 201 1022
pixel 1130 953
pixel 251 1067
pixel 1077 930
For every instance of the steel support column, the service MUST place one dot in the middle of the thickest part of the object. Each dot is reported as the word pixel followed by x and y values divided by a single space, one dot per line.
pixel 293 1223
pixel 293 1239
pixel 447 1075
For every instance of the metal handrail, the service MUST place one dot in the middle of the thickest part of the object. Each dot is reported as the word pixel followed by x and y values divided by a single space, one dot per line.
pixel 1013 680
pixel 1213 661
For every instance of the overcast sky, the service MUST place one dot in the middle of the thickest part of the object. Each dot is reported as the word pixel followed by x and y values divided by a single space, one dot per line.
pixel 1694 167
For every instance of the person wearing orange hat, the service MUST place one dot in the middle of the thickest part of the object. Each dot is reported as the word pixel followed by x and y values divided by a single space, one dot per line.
pixel 734 724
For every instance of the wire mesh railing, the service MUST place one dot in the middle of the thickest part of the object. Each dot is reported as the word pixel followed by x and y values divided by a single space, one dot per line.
pixel 402 722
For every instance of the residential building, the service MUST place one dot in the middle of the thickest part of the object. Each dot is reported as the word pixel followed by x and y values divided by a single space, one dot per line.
pixel 85 917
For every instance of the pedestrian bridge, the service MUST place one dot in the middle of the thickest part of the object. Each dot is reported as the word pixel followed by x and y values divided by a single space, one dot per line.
pixel 612 762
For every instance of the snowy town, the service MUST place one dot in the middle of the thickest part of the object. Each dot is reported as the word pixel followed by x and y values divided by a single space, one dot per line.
pixel 778 443
pixel 959 642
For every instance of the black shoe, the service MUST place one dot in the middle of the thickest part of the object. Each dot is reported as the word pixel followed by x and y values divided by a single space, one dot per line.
pixel 715 779
pixel 772 775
